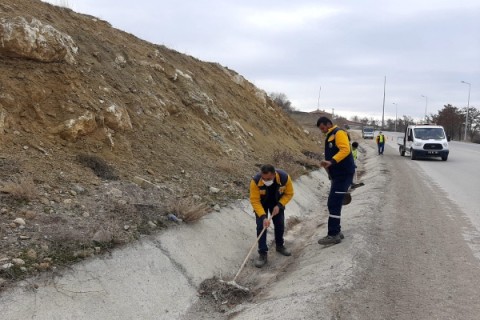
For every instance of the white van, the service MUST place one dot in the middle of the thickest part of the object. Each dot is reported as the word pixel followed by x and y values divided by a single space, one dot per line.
pixel 368 132
pixel 424 141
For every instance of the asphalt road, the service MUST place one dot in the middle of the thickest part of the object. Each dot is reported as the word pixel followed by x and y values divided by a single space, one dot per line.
pixel 459 177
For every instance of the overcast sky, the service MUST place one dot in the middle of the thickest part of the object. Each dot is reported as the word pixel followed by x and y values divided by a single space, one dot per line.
pixel 423 47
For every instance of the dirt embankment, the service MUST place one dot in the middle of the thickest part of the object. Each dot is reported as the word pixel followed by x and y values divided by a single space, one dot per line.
pixel 100 130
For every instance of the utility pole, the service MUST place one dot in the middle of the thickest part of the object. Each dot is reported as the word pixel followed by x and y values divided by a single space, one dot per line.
pixel 426 104
pixel 383 111
pixel 396 115
pixel 468 107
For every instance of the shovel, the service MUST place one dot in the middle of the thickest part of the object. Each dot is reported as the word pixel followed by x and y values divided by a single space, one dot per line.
pixel 347 197
pixel 356 184
pixel 233 282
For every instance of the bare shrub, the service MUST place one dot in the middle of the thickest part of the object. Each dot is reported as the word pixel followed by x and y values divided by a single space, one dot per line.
pixel 309 163
pixel 313 155
pixel 65 243
pixel 282 101
pixel 188 209
pixel 285 160
pixel 20 188
pixel 99 166
pixel 282 156
pixel 225 165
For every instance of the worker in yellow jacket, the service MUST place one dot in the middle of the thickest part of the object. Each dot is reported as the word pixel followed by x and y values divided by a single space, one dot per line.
pixel 340 166
pixel 270 191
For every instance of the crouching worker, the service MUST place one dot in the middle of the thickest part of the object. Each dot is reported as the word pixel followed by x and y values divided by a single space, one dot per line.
pixel 270 191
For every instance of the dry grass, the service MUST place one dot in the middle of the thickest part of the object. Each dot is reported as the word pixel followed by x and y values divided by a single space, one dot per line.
pixel 138 215
pixel 20 188
pixel 285 160
pixel 310 163
pixel 226 165
pixel 188 209
pixel 8 168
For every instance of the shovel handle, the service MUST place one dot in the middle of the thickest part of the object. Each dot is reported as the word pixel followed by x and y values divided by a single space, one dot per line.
pixel 251 249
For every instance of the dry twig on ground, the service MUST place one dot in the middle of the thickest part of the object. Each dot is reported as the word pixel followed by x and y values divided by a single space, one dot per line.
pixel 188 209
pixel 20 188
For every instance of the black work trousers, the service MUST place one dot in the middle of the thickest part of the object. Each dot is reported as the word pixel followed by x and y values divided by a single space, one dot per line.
pixel 340 185
pixel 279 225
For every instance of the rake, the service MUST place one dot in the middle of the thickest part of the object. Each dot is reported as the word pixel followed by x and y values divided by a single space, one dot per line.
pixel 233 282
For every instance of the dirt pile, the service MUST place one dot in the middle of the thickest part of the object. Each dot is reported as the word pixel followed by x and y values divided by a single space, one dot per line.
pixel 100 131
pixel 222 295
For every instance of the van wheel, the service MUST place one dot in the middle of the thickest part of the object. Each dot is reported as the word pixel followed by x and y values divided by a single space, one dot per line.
pixel 444 158
pixel 412 155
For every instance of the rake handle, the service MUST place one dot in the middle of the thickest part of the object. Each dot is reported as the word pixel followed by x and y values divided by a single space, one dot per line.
pixel 251 249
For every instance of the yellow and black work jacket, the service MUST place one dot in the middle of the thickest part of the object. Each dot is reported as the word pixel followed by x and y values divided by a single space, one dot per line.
pixel 263 197
pixel 339 152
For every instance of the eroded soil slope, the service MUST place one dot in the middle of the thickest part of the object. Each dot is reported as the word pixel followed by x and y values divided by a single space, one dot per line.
pixel 100 131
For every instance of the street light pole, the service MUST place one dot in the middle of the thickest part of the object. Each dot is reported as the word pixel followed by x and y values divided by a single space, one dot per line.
pixel 383 108
pixel 468 107
pixel 396 116
pixel 426 104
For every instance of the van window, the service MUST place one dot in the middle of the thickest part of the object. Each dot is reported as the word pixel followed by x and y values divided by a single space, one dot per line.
pixel 429 133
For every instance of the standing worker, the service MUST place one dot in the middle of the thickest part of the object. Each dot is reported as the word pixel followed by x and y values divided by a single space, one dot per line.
pixel 355 183
pixel 340 166
pixel 380 142
pixel 270 191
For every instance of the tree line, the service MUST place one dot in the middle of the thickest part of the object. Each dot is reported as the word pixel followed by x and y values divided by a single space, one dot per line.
pixel 453 120
pixel 450 117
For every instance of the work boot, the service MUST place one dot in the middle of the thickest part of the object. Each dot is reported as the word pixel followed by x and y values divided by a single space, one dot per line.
pixel 341 235
pixel 284 251
pixel 330 240
pixel 261 260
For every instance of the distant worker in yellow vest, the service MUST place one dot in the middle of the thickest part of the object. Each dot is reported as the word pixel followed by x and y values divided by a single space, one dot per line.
pixel 355 151
pixel 380 142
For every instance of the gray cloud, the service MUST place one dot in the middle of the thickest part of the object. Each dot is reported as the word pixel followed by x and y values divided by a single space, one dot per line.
pixel 423 47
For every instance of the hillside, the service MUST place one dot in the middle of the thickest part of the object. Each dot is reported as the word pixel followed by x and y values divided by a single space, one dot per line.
pixel 308 120
pixel 102 134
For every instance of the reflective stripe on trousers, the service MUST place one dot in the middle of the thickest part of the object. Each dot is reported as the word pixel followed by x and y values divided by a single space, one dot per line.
pixel 340 185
